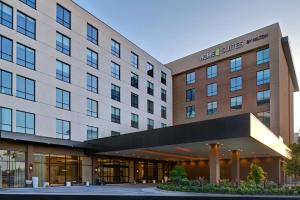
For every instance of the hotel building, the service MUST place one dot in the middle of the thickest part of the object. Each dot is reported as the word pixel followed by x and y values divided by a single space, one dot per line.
pixel 79 102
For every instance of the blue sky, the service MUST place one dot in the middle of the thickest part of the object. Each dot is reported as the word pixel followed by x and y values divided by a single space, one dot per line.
pixel 170 29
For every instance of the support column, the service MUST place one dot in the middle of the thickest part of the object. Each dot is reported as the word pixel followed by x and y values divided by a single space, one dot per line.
pixel 235 166
pixel 29 162
pixel 214 163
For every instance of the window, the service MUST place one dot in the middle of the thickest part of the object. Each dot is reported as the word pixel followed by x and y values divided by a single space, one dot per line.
pixel 30 3
pixel 263 97
pixel 5 119
pixel 5 82
pixel 236 64
pixel 190 77
pixel 25 88
pixel 115 133
pixel 163 78
pixel 63 71
pixel 92 34
pixel 134 100
pixel 212 71
pixel 212 107
pixel 134 120
pixel 63 129
pixel 150 106
pixel 63 16
pixel 115 92
pixel 26 25
pixel 236 84
pixel 91 133
pixel 92 108
pixel 6 48
pixel 115 115
pixel 263 56
pixel 164 112
pixel 236 103
pixel 134 80
pixel 92 58
pixel 25 122
pixel 25 56
pixel 115 48
pixel 150 124
pixel 134 60
pixel 163 95
pixel 63 99
pixel 212 89
pixel 115 70
pixel 6 15
pixel 92 83
pixel 163 125
pixel 190 94
pixel 150 88
pixel 63 44
pixel 190 112
pixel 263 77
pixel 150 69
pixel 264 117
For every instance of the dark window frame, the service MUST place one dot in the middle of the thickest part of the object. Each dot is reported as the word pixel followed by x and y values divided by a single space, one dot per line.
pixel 90 112
pixel 61 48
pixel 10 59
pixel 114 50
pixel 25 87
pixel 115 92
pixel 134 100
pixel 11 23
pixel 61 104
pixel 1 84
pixel 115 118
pixel 90 37
pixel 25 120
pixel 62 21
pixel 63 78
pixel 62 129
pixel 26 31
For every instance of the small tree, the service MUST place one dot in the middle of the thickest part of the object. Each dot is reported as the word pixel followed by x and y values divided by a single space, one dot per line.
pixel 178 173
pixel 256 174
pixel 292 165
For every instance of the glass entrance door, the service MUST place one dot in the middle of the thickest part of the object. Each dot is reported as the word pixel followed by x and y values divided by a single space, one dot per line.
pixel 113 171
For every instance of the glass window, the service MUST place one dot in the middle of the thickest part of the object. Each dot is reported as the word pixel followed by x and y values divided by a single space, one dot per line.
pixel 212 71
pixel 25 88
pixel 115 92
pixel 115 70
pixel 236 103
pixel 91 133
pixel 63 99
pixel 92 83
pixel 263 97
pixel 236 84
pixel 26 25
pixel 263 56
pixel 190 112
pixel 163 125
pixel 63 44
pixel 150 88
pixel 115 133
pixel 6 15
pixel 115 48
pixel 63 16
pixel 236 64
pixel 115 115
pixel 30 3
pixel 150 124
pixel 150 106
pixel 134 80
pixel 212 89
pixel 92 108
pixel 5 119
pixel 163 78
pixel 63 71
pixel 134 120
pixel 190 94
pixel 190 77
pixel 25 122
pixel 134 100
pixel 25 56
pixel 63 129
pixel 6 48
pixel 134 60
pixel 92 34
pixel 212 107
pixel 163 95
pixel 92 58
pixel 150 69
pixel 5 82
pixel 263 77
pixel 264 117
pixel 164 112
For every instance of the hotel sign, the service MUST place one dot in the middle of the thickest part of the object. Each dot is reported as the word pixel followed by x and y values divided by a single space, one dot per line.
pixel 231 47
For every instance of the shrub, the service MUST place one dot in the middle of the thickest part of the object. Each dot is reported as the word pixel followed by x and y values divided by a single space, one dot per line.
pixel 177 174
pixel 256 174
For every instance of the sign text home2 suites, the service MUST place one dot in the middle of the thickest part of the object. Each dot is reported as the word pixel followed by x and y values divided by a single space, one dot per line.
pixel 231 47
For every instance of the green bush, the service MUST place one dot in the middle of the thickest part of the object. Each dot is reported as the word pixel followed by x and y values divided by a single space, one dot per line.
pixel 256 174
pixel 178 174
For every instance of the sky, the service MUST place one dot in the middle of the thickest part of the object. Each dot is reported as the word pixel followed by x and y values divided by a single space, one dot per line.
pixel 171 29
